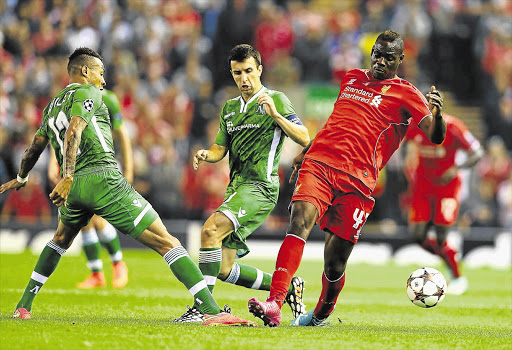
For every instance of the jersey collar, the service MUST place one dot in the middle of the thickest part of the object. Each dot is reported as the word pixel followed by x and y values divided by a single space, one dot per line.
pixel 243 104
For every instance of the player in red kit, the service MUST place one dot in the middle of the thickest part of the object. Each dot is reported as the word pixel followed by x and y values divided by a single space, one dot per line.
pixel 435 185
pixel 339 170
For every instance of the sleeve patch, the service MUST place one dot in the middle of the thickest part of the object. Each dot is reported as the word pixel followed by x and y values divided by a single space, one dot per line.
pixel 89 105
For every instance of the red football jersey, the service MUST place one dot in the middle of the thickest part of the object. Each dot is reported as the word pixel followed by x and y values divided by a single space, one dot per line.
pixel 369 120
pixel 435 160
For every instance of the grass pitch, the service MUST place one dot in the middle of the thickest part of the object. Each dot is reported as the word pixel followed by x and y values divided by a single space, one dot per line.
pixel 373 311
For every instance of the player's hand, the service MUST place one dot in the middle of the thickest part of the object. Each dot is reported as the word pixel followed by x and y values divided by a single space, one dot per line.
pixel 60 193
pixel 12 185
pixel 297 163
pixel 449 175
pixel 269 105
pixel 435 102
pixel 199 157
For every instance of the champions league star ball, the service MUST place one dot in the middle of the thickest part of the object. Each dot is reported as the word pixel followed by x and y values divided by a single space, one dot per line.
pixel 426 287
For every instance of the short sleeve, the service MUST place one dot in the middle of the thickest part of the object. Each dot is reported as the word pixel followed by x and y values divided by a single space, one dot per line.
pixel 416 104
pixel 283 105
pixel 85 102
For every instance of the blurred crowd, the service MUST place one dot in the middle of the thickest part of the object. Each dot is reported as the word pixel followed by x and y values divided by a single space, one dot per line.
pixel 166 60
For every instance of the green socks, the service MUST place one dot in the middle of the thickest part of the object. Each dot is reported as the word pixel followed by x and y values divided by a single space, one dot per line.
pixel 249 277
pixel 187 272
pixel 46 264
pixel 109 239
pixel 210 260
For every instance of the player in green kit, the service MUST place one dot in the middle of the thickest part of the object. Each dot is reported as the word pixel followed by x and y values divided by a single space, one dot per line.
pixel 99 230
pixel 77 124
pixel 253 127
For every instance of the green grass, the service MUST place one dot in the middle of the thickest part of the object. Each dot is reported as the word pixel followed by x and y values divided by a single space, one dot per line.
pixel 373 311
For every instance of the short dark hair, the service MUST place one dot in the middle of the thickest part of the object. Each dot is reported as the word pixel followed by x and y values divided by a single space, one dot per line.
pixel 391 36
pixel 242 52
pixel 81 57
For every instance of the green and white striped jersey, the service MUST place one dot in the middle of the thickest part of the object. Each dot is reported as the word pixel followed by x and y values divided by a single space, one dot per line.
pixel 96 147
pixel 253 138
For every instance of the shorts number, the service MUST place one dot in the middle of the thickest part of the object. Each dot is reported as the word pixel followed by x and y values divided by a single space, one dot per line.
pixel 359 217
pixel 448 208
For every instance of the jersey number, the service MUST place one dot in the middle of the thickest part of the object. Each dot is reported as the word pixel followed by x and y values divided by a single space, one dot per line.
pixel 59 127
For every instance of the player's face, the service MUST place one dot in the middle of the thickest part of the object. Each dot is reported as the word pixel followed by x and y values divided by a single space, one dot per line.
pixel 96 73
pixel 247 76
pixel 385 60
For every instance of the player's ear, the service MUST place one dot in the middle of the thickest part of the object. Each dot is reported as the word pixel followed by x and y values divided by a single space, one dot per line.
pixel 84 70
pixel 402 58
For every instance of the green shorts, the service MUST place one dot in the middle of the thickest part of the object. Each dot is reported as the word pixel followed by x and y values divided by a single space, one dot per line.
pixel 106 193
pixel 247 205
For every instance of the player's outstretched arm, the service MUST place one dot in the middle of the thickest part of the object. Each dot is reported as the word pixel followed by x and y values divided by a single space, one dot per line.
pixel 434 127
pixel 298 133
pixel 212 155
pixel 72 140
pixel 28 161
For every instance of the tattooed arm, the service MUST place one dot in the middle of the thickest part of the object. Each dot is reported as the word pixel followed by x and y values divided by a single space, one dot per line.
pixel 30 158
pixel 72 140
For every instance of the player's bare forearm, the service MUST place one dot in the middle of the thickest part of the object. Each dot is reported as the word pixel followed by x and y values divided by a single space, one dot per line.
pixel 28 161
pixel 437 130
pixel 212 155
pixel 298 133
pixel 71 143
pixel 434 127
pixel 216 153
pixel 32 154
pixel 126 149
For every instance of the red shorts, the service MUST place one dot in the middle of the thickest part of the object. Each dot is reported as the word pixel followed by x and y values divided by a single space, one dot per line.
pixel 437 203
pixel 342 206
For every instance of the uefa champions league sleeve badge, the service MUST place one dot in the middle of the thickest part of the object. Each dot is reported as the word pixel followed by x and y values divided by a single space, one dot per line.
pixel 89 105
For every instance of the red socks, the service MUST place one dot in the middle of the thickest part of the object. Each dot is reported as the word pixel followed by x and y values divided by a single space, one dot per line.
pixel 448 255
pixel 330 292
pixel 288 261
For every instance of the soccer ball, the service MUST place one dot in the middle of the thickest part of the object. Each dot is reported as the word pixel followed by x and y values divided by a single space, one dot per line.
pixel 426 287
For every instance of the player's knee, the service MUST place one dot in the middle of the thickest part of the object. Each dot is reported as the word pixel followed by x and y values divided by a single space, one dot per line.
pixel 299 227
pixel 334 272
pixel 62 241
pixel 209 234
pixel 168 242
